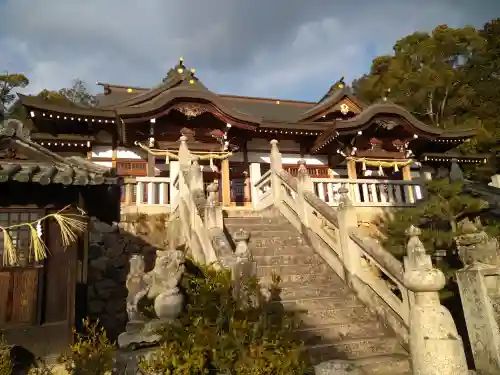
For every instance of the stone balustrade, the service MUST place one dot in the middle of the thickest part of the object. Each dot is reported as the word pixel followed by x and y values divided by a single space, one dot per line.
pixel 404 296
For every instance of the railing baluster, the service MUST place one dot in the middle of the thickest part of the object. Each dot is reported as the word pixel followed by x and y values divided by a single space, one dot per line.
pixel 329 187
pixel 383 188
pixel 373 188
pixel 139 193
pixel 390 193
pixel 321 191
pixel 366 195
pixel 399 196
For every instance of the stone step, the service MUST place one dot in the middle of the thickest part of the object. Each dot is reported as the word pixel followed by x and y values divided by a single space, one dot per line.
pixel 339 332
pixel 335 289
pixel 270 242
pixel 277 249
pixel 356 349
pixel 288 260
pixel 337 315
pixel 395 364
pixel 317 269
pixel 375 365
pixel 249 213
pixel 254 223
pixel 282 233
pixel 318 303
pixel 289 281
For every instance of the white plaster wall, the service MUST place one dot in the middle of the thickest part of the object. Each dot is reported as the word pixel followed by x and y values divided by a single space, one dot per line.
pixel 103 163
pixel 284 146
pixel 287 158
pixel 121 153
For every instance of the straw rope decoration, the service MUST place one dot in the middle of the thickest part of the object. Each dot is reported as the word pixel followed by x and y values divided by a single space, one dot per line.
pixel 71 225
pixel 210 156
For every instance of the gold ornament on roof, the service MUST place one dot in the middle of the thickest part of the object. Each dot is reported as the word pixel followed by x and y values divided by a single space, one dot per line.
pixel 181 59
pixel 180 70
pixel 190 109
pixel 341 85
pixel 193 70
pixel 129 90
pixel 344 109
pixel 191 81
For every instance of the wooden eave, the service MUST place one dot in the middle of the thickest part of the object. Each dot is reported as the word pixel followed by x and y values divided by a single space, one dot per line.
pixel 43 105
pixel 448 157
pixel 326 105
pixel 62 137
pixel 45 167
pixel 363 120
pixel 184 93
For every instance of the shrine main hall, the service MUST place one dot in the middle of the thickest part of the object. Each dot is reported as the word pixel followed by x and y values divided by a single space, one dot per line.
pixel 380 151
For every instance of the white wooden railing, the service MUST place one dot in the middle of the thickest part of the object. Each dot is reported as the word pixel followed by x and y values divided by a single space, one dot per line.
pixel 369 192
pixel 146 191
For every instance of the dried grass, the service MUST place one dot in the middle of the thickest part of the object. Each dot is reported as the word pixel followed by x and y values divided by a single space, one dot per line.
pixel 71 226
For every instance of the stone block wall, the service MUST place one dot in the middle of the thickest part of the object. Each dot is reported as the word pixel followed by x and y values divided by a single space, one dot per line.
pixel 110 247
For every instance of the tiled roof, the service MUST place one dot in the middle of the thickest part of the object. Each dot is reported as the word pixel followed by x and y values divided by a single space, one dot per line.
pixel 45 167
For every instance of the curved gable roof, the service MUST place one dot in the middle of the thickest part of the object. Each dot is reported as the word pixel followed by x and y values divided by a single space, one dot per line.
pixel 363 119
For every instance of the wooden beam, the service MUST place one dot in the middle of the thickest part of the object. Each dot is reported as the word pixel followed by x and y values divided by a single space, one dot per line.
pixel 226 183
pixel 351 169
pixel 406 172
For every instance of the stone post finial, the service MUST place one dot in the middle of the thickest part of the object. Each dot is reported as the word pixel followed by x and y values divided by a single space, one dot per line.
pixel 435 345
pixel 417 257
pixel 304 180
pixel 184 154
pixel 196 176
pixel 456 173
pixel 345 199
pixel 275 156
pixel 475 246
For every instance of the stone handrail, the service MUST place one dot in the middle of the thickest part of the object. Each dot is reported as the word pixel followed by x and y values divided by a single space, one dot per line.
pixel 191 204
pixel 374 274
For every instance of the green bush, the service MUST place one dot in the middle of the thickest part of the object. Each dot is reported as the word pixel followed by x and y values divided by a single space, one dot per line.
pixel 6 364
pixel 92 353
pixel 437 217
pixel 219 333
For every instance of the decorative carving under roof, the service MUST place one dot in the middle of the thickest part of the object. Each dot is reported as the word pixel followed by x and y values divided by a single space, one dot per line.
pixel 190 109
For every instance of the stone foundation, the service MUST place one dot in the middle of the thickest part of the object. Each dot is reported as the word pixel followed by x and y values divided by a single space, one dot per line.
pixel 110 248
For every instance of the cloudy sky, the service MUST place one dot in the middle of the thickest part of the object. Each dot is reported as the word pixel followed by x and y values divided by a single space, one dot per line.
pixel 292 49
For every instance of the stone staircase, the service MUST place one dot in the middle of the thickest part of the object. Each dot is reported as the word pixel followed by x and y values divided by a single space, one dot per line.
pixel 336 324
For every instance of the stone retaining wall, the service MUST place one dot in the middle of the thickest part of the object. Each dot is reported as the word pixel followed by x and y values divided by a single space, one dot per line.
pixel 110 247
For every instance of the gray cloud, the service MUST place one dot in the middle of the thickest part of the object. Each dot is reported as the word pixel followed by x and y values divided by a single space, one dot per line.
pixel 285 48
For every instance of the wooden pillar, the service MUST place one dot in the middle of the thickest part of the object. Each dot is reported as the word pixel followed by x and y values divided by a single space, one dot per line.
pixel 226 183
pixel 351 169
pixel 151 165
pixel 247 194
pixel 114 156
pixel 114 151
pixel 406 171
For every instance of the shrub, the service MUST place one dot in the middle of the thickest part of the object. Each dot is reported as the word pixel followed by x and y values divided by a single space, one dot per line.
pixel 219 333
pixel 6 364
pixel 92 354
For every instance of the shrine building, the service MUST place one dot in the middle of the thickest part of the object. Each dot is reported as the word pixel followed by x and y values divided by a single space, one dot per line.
pixel 380 151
